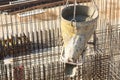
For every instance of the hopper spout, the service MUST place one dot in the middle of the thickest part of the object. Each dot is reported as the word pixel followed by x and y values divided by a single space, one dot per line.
pixel 74 48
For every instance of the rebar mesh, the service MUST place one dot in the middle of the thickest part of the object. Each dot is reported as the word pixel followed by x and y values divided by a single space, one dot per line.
pixel 30 46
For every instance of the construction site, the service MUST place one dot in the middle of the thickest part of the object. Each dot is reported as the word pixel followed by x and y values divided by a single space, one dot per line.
pixel 36 40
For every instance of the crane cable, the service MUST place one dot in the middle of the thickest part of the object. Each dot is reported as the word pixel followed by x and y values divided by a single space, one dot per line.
pixel 74 13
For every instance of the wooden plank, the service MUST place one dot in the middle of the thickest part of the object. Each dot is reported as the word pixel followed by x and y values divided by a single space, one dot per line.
pixel 33 2
pixel 38 7
pixel 10 6
pixel 3 2
pixel 79 0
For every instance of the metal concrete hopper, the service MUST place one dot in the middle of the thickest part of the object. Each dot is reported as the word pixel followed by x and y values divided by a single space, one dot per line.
pixel 77 32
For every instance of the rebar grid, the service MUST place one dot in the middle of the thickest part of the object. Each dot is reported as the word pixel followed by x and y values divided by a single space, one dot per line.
pixel 30 46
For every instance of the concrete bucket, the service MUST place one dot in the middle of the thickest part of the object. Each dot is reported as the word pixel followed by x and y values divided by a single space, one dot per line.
pixel 76 33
